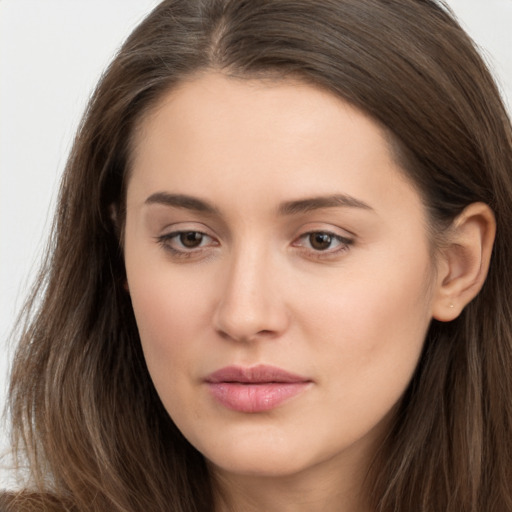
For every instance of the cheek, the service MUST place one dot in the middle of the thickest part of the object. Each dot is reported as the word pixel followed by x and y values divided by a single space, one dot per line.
pixel 372 328
pixel 366 309
pixel 171 319
pixel 172 315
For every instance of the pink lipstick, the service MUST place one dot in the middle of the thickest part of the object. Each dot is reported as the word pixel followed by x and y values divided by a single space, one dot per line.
pixel 255 389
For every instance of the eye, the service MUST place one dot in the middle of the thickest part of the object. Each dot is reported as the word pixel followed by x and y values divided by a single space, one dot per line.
pixel 191 239
pixel 186 243
pixel 323 243
pixel 320 241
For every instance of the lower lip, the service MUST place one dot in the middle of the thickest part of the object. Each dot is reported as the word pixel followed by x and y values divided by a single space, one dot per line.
pixel 253 398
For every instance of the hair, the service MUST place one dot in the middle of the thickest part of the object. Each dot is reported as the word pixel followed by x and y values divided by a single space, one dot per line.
pixel 86 418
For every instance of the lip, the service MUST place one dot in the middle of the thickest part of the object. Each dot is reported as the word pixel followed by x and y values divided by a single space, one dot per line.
pixel 254 389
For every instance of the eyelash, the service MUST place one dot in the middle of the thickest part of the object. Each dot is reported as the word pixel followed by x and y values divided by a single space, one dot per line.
pixel 166 242
pixel 344 244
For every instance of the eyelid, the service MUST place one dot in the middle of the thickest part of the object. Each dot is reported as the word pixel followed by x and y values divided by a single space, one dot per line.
pixel 171 229
pixel 176 234
pixel 169 240
pixel 340 238
pixel 172 233
pixel 343 243
pixel 325 227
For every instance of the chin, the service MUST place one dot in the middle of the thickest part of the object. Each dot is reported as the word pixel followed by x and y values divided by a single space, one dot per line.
pixel 264 465
pixel 269 458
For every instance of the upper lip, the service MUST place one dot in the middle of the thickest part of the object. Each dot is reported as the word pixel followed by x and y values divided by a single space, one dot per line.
pixel 254 375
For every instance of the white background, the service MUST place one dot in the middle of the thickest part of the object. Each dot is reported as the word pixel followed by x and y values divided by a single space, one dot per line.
pixel 52 53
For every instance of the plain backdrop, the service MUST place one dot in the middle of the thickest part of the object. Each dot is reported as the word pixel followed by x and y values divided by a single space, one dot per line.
pixel 52 53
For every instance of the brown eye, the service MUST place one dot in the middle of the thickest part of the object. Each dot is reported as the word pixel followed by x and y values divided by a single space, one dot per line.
pixel 187 244
pixel 191 239
pixel 320 241
pixel 323 244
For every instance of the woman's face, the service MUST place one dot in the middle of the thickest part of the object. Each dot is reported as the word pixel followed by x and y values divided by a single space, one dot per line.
pixel 280 272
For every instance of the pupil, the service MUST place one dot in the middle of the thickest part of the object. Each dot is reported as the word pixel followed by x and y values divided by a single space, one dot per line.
pixel 320 241
pixel 191 239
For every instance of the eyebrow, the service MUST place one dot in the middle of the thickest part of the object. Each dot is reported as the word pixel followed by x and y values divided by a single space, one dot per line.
pixel 182 201
pixel 287 208
pixel 316 203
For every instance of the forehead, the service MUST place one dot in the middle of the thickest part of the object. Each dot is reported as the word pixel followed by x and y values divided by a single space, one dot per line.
pixel 214 134
pixel 217 102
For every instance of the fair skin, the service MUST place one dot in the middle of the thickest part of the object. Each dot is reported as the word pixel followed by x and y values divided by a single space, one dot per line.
pixel 268 224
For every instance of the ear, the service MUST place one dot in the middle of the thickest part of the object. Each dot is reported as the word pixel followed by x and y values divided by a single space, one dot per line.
pixel 463 263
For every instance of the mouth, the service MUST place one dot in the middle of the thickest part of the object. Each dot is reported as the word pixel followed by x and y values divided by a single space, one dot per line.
pixel 254 389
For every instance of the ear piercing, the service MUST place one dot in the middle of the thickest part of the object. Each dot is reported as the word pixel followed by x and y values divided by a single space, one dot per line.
pixel 451 306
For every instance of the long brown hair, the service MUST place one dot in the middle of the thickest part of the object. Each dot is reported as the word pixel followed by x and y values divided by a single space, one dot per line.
pixel 86 417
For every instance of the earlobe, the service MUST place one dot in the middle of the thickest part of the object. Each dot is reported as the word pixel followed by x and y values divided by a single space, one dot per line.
pixel 464 262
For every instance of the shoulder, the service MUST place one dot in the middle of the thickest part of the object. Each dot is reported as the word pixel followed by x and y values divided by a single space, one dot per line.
pixel 25 501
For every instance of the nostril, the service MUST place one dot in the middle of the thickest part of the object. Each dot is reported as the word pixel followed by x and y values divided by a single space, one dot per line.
pixel 227 334
pixel 223 334
pixel 265 332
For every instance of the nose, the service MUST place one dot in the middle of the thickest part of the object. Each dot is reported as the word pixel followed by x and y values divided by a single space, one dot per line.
pixel 251 304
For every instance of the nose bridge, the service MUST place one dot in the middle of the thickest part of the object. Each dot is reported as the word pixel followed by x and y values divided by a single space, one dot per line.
pixel 250 304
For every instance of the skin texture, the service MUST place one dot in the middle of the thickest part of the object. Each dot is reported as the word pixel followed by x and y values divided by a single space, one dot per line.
pixel 350 317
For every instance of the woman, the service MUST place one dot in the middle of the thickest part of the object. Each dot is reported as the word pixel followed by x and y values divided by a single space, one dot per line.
pixel 280 271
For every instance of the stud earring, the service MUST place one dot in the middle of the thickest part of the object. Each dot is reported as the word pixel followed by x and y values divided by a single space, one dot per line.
pixel 452 306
